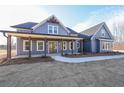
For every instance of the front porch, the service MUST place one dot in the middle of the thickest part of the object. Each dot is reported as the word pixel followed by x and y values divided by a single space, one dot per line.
pixel 49 48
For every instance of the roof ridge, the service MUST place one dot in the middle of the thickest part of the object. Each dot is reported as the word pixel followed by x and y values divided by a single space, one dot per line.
pixel 93 26
pixel 92 30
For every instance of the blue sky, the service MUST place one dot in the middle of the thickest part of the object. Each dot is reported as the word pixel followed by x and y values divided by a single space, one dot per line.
pixel 78 17
pixel 71 15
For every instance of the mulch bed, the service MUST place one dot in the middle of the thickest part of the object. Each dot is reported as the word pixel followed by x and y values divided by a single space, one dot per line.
pixel 92 54
pixel 4 61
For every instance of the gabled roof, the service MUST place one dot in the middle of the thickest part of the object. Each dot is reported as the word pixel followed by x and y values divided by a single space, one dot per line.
pixel 33 25
pixel 91 31
pixel 52 17
pixel 74 32
pixel 27 25
pixel 71 31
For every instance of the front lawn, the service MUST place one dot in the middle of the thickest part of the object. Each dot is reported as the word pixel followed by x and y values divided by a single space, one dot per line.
pixel 25 60
pixel 105 73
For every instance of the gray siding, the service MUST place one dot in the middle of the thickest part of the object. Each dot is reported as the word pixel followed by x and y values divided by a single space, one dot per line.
pixel 34 48
pixel 99 34
pixel 87 45
pixel 20 48
pixel 95 43
pixel 43 29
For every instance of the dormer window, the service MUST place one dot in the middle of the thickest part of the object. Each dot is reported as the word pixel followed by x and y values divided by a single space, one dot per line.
pixel 55 29
pixel 52 29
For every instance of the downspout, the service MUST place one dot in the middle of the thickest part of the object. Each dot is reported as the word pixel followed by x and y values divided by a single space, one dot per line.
pixel 4 35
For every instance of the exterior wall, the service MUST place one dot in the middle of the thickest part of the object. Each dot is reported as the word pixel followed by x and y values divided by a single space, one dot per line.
pixel 96 44
pixel 87 46
pixel 34 48
pixel 99 34
pixel 44 29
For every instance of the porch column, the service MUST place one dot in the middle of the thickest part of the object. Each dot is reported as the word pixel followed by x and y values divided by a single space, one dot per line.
pixel 9 47
pixel 68 50
pixel 72 47
pixel 81 46
pixel 29 55
pixel 62 47
pixel 45 50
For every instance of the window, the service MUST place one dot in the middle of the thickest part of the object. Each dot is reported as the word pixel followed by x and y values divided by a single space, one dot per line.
pixel 64 45
pixel 55 30
pixel 103 45
pixel 52 29
pixel 26 45
pixel 78 45
pixel 106 45
pixel 40 45
pixel 71 45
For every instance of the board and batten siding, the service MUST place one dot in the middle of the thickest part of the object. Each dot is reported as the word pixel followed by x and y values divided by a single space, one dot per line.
pixel 34 48
pixel 96 44
pixel 99 34
pixel 43 29
pixel 87 45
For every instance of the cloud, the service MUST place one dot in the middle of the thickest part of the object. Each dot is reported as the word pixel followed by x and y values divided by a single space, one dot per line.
pixel 108 14
pixel 11 15
pixel 82 26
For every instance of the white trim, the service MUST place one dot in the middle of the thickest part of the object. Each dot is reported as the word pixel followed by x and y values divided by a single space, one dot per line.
pixel 53 29
pixel 41 23
pixel 24 45
pixel 37 45
pixel 72 44
pixel 16 44
pixel 106 40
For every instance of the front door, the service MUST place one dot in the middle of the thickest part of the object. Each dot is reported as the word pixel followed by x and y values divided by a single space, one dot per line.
pixel 52 47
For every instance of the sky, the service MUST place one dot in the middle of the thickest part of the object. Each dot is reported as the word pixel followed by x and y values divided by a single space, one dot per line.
pixel 77 17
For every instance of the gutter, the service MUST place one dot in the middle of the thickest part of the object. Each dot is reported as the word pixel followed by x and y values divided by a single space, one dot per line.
pixel 4 35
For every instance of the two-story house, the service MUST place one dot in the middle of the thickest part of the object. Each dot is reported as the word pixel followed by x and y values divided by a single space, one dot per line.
pixel 51 37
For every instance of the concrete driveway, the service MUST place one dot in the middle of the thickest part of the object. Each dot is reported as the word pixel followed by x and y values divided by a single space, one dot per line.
pixel 57 74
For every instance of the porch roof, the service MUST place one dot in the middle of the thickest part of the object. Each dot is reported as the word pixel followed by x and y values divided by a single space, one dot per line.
pixel 37 35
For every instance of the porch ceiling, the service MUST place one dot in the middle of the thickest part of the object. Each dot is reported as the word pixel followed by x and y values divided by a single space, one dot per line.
pixel 40 36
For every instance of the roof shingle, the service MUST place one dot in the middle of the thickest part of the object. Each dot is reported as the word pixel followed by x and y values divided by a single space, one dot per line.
pixel 91 31
pixel 27 25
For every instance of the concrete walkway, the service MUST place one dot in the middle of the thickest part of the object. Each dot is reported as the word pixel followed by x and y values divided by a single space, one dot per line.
pixel 85 59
